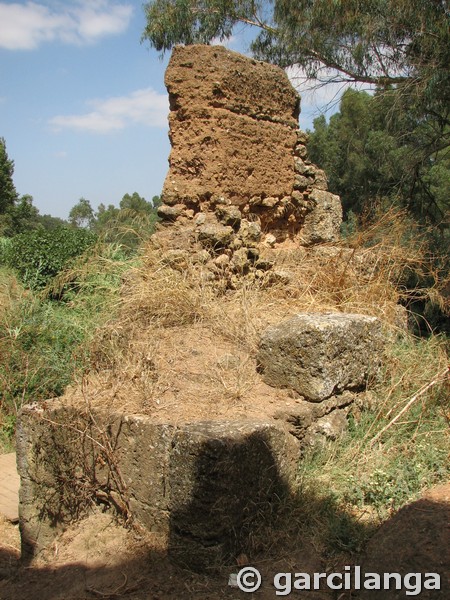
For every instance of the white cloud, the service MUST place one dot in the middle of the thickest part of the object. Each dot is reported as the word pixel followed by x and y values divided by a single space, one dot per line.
pixel 27 26
pixel 228 43
pixel 142 107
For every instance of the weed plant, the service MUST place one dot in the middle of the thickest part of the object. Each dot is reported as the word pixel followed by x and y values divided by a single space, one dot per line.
pixel 45 336
pixel 364 478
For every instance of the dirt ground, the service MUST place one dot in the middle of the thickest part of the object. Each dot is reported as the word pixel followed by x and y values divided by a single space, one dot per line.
pixel 100 559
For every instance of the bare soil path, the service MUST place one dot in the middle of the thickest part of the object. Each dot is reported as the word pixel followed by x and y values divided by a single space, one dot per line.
pixel 9 487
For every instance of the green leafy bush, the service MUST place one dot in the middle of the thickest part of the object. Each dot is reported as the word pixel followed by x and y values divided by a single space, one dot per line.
pixel 38 256
pixel 5 244
pixel 45 343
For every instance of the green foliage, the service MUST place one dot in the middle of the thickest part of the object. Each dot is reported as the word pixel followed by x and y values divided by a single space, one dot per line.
pixel 40 255
pixel 49 222
pixel 370 149
pixel 105 215
pixel 16 214
pixel 136 203
pixel 82 214
pixel 44 344
pixel 40 343
pixel 349 227
pixel 383 42
pixel 7 430
pixel 171 22
pixel 5 244
pixel 128 225
pixel 8 194
pixel 388 490
pixel 20 217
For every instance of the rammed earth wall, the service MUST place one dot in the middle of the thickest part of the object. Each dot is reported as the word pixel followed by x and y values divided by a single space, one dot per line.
pixel 235 141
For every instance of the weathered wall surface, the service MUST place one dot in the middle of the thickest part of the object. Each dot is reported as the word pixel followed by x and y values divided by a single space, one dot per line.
pixel 236 143
pixel 233 126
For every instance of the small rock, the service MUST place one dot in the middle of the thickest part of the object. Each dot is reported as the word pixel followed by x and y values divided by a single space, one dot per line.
pixel 301 182
pixel 264 264
pixel 229 215
pixel 201 257
pixel 170 213
pixel 270 239
pixel 300 151
pixel 322 223
pixel 297 197
pixel 269 202
pixel 321 180
pixel 200 219
pixel 333 425
pixel 176 259
pixel 280 276
pixel 240 260
pixel 215 236
pixel 302 136
pixel 236 243
pixel 299 166
pixel 222 261
pixel 250 232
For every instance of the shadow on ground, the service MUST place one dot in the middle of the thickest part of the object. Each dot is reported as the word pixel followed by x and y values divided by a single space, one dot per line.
pixel 233 506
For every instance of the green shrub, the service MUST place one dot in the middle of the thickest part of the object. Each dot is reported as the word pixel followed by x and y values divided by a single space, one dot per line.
pixel 38 256
pixel 5 244
pixel 44 343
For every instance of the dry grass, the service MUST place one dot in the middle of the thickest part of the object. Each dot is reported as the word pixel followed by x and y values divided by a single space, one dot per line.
pixel 11 292
pixel 184 343
pixel 182 346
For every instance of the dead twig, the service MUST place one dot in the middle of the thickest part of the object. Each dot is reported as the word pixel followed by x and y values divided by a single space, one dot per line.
pixel 440 376
pixel 115 592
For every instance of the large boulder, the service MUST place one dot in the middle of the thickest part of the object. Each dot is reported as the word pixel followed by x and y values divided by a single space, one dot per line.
pixel 319 355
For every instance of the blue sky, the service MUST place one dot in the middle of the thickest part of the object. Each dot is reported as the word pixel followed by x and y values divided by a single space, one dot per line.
pixel 83 106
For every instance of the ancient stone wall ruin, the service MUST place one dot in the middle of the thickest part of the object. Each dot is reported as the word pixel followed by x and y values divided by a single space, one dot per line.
pixel 240 186
pixel 237 154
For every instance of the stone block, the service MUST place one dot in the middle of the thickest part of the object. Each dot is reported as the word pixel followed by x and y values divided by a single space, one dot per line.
pixel 227 479
pixel 322 223
pixel 319 355
pixel 203 485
